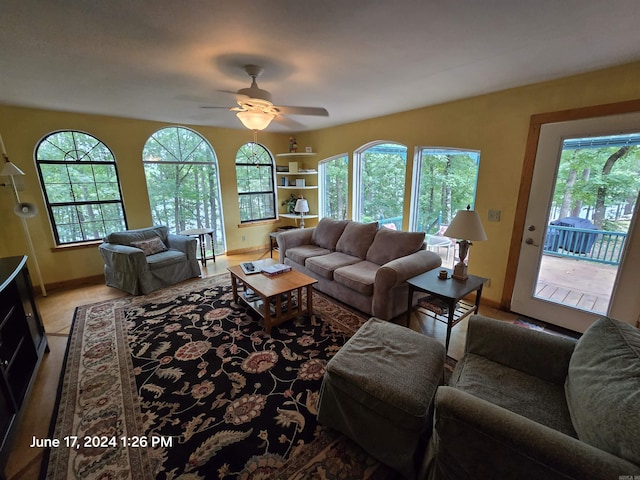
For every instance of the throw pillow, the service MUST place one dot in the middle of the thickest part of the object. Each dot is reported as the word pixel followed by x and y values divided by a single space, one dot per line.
pixel 391 244
pixel 327 233
pixel 356 238
pixel 603 388
pixel 150 246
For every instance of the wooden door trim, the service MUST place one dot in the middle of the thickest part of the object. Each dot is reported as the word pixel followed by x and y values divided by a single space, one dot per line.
pixel 524 192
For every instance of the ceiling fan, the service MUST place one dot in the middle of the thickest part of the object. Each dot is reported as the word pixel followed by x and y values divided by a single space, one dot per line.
pixel 255 106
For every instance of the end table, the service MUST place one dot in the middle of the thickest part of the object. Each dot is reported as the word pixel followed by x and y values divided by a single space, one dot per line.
pixel 200 233
pixel 451 291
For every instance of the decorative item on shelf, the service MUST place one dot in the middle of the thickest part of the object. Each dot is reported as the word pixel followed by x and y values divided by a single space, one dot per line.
pixel 300 182
pixel 293 167
pixel 465 226
pixel 293 145
pixel 290 203
pixel 22 209
pixel 302 207
pixel 308 150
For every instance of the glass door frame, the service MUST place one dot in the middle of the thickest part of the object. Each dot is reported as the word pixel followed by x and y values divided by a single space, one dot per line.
pixel 535 126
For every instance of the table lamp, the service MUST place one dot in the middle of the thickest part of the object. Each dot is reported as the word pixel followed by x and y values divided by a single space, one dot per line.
pixel 465 226
pixel 302 207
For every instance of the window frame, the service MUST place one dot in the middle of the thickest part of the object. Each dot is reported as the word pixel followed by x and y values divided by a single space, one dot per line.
pixel 322 190
pixel 52 205
pixel 272 175
pixel 182 157
pixel 416 180
pixel 358 161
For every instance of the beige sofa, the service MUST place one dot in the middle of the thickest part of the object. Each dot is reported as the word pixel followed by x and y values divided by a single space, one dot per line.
pixel 359 264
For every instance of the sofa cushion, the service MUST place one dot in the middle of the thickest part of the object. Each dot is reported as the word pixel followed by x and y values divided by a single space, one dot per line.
pixel 391 244
pixel 129 236
pixel 356 239
pixel 324 265
pixel 603 388
pixel 359 277
pixel 327 232
pixel 301 253
pixel 517 391
pixel 150 246
pixel 166 258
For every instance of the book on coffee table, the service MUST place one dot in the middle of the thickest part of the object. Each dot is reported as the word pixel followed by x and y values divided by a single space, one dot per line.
pixel 276 269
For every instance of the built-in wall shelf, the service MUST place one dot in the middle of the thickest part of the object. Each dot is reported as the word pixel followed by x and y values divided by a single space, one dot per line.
pixel 296 154
pixel 293 187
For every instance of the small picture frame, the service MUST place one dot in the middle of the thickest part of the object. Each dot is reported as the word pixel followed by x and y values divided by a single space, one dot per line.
pixel 308 149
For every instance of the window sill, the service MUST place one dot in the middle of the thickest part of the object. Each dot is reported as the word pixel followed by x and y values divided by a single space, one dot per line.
pixel 76 246
pixel 259 223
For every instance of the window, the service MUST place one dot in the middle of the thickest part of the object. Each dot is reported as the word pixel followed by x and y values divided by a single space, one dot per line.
pixel 333 187
pixel 183 183
pixel 444 182
pixel 256 184
pixel 380 171
pixel 81 188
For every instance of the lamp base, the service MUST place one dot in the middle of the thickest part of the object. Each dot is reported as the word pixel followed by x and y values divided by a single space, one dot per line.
pixel 460 272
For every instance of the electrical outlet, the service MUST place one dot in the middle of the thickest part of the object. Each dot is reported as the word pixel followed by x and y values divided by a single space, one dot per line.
pixel 487 283
pixel 244 238
pixel 494 215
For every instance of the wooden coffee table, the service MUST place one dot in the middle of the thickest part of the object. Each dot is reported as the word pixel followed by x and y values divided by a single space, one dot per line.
pixel 267 288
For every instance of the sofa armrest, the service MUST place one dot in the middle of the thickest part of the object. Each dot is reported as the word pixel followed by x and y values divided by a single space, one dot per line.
pixel 536 353
pixel 473 438
pixel 184 243
pixel 123 258
pixel 402 269
pixel 293 238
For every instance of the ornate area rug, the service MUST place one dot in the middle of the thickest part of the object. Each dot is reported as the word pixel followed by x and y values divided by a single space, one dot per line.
pixel 184 384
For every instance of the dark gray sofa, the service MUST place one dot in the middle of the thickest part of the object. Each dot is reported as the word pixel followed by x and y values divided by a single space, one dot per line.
pixel 359 264
pixel 529 405
pixel 137 265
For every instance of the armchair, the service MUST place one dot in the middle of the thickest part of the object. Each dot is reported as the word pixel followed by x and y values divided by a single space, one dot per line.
pixel 529 405
pixel 136 262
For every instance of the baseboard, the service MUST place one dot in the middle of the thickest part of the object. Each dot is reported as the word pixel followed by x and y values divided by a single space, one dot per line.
pixel 240 251
pixel 74 282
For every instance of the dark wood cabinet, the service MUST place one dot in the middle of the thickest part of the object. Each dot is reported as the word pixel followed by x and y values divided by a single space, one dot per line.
pixel 22 345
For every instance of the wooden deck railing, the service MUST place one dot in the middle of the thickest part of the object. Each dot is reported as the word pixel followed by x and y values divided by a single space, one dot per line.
pixel 600 246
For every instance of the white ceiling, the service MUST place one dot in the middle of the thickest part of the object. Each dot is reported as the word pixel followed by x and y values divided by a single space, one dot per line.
pixel 163 59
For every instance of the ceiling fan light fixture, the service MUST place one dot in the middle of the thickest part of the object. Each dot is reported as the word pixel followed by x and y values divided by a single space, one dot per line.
pixel 255 120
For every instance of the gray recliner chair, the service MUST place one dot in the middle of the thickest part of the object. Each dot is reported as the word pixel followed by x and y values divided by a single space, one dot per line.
pixel 141 261
pixel 529 405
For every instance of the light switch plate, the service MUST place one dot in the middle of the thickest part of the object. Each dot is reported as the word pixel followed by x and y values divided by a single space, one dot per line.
pixel 494 215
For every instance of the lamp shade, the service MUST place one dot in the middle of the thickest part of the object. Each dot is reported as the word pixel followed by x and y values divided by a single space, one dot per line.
pixel 302 206
pixel 255 120
pixel 10 170
pixel 466 226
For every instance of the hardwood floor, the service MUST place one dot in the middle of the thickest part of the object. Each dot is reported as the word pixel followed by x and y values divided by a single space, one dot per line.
pixel 57 310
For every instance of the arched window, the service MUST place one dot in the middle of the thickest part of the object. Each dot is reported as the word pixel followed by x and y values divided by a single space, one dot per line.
pixel 379 173
pixel 444 181
pixel 333 187
pixel 184 183
pixel 80 182
pixel 256 184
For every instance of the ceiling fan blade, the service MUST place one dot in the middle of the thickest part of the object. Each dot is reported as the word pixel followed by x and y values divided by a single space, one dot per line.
pixel 207 106
pixel 287 122
pixel 317 111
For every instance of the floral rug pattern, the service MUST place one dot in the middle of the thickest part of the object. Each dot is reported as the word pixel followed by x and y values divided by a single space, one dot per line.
pixel 184 383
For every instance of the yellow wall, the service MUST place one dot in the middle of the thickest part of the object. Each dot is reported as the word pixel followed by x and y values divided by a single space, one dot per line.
pixel 496 124
pixel 23 128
